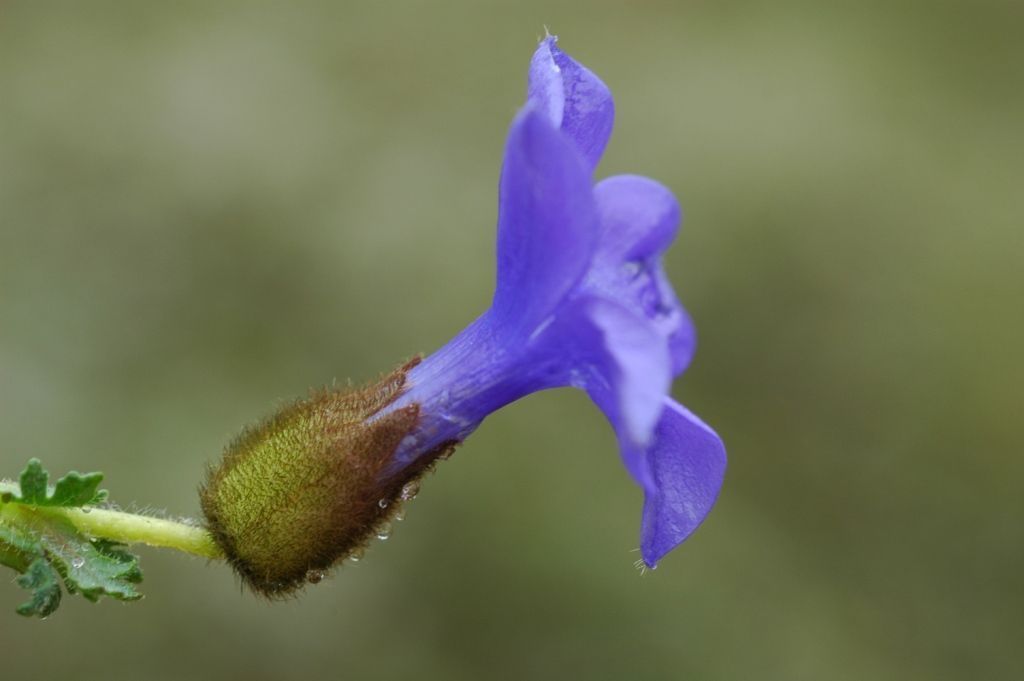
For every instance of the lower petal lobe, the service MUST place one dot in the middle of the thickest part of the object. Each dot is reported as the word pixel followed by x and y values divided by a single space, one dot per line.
pixel 627 372
pixel 687 462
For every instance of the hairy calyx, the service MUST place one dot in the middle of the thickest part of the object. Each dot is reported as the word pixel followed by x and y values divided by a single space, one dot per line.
pixel 311 485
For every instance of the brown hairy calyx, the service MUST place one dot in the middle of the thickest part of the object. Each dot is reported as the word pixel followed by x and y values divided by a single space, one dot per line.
pixel 307 487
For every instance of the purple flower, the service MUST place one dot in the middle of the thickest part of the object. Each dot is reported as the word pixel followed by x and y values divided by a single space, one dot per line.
pixel 581 300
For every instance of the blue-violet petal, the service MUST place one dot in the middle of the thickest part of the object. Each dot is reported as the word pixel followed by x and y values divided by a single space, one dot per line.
pixel 573 99
pixel 687 460
pixel 547 223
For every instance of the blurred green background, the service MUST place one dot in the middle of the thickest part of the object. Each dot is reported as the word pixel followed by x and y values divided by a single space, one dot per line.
pixel 207 208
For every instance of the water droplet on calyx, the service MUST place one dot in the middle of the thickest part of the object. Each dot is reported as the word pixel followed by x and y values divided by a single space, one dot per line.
pixel 384 531
pixel 383 503
pixel 77 562
pixel 410 490
pixel 315 576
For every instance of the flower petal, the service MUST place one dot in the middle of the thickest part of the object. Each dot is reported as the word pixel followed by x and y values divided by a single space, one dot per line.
pixel 623 363
pixel 634 363
pixel 682 337
pixel 639 219
pixel 547 223
pixel 687 461
pixel 573 99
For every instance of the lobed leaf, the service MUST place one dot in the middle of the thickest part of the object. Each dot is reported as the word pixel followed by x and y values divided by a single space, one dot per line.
pixel 92 568
pixel 47 549
pixel 43 581
pixel 33 483
pixel 73 490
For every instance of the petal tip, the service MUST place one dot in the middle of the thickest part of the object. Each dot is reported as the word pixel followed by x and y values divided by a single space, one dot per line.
pixel 688 462
pixel 575 99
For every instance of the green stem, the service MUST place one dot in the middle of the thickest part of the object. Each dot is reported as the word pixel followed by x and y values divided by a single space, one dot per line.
pixel 130 528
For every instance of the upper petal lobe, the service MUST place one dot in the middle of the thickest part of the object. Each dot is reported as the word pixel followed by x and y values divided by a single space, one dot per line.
pixel 573 98
pixel 547 223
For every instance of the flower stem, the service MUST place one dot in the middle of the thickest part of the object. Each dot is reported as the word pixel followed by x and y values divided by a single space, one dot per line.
pixel 130 528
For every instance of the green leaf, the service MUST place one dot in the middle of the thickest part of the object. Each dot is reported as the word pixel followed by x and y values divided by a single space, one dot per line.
pixel 73 490
pixel 13 558
pixel 19 538
pixel 92 568
pixel 78 489
pixel 48 549
pixel 43 581
pixel 33 483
